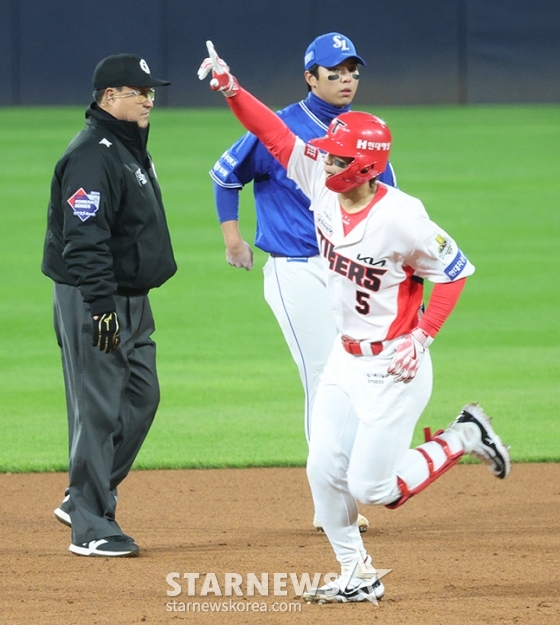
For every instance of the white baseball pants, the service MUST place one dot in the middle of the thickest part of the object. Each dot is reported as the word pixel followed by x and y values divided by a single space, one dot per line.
pixel 362 422
pixel 295 289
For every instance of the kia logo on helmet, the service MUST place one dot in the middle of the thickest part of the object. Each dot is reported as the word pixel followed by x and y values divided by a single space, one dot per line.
pixel 362 144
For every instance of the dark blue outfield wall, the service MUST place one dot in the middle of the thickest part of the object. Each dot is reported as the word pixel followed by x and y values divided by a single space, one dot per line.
pixel 417 51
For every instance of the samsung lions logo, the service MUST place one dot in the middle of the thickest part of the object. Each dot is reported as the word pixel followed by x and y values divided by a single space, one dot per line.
pixel 85 205
pixel 340 42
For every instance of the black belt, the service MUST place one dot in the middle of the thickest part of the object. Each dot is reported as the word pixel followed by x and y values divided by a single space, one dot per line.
pixel 132 292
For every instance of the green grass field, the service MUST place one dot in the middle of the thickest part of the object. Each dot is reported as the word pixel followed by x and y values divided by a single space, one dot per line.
pixel 230 392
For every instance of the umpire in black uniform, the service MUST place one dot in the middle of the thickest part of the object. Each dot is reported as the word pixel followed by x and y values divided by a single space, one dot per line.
pixel 107 245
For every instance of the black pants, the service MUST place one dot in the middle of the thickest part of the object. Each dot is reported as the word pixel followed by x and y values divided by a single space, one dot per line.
pixel 111 401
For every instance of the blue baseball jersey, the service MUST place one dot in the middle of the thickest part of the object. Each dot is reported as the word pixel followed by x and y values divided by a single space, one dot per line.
pixel 284 222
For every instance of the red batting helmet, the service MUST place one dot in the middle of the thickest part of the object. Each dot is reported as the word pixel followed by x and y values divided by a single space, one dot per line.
pixel 366 139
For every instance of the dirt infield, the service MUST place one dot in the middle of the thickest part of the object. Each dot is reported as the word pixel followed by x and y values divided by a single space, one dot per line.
pixel 470 550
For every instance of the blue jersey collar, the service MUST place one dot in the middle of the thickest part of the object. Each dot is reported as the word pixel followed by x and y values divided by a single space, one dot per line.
pixel 323 110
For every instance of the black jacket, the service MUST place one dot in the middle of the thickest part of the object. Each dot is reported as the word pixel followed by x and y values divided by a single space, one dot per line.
pixel 107 230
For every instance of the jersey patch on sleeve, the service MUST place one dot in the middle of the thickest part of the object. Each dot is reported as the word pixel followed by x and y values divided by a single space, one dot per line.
pixel 85 205
pixel 445 246
pixel 454 269
pixel 311 151
pixel 229 159
pixel 224 166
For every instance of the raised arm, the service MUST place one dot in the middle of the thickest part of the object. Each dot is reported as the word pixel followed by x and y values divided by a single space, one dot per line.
pixel 252 113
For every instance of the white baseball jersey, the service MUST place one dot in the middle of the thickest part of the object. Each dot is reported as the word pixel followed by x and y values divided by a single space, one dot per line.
pixel 376 271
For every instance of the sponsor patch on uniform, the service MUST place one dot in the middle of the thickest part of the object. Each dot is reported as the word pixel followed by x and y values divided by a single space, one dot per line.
pixel 444 246
pixel 220 171
pixel 229 159
pixel 362 144
pixel 85 205
pixel 454 269
pixel 311 151
pixel 324 225
pixel 376 378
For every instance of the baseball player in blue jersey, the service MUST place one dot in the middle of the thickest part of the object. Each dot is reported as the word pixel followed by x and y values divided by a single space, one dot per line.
pixel 294 274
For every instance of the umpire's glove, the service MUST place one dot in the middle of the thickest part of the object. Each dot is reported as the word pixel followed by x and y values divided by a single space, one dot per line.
pixel 106 332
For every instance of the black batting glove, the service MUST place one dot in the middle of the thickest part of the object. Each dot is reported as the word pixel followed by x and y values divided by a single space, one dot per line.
pixel 106 332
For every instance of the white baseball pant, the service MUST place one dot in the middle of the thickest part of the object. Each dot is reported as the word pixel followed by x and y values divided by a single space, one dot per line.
pixel 295 289
pixel 363 423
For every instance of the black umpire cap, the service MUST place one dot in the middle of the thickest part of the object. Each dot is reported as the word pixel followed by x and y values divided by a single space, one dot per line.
pixel 124 70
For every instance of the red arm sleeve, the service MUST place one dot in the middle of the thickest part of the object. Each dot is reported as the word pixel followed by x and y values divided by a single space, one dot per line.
pixel 257 118
pixel 442 302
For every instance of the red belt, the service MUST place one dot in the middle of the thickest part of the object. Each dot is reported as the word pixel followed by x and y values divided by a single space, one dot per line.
pixel 361 348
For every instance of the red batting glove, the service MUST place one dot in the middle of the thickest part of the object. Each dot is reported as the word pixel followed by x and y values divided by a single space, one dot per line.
pixel 408 355
pixel 222 79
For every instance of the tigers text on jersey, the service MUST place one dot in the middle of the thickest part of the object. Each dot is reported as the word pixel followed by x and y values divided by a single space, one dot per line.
pixel 376 271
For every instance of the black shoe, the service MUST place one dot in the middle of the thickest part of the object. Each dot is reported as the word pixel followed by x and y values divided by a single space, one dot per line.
pixel 111 546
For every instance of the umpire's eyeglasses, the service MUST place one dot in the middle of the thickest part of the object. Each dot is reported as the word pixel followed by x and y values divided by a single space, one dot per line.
pixel 141 95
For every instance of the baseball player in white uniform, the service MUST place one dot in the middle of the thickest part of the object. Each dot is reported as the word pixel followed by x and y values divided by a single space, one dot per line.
pixel 294 274
pixel 379 246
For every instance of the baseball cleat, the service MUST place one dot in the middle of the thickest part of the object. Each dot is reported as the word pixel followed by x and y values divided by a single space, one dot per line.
pixel 356 583
pixel 363 524
pixel 111 546
pixel 474 428
pixel 61 513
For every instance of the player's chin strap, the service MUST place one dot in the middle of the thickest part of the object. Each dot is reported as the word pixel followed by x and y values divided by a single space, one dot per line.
pixel 451 459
